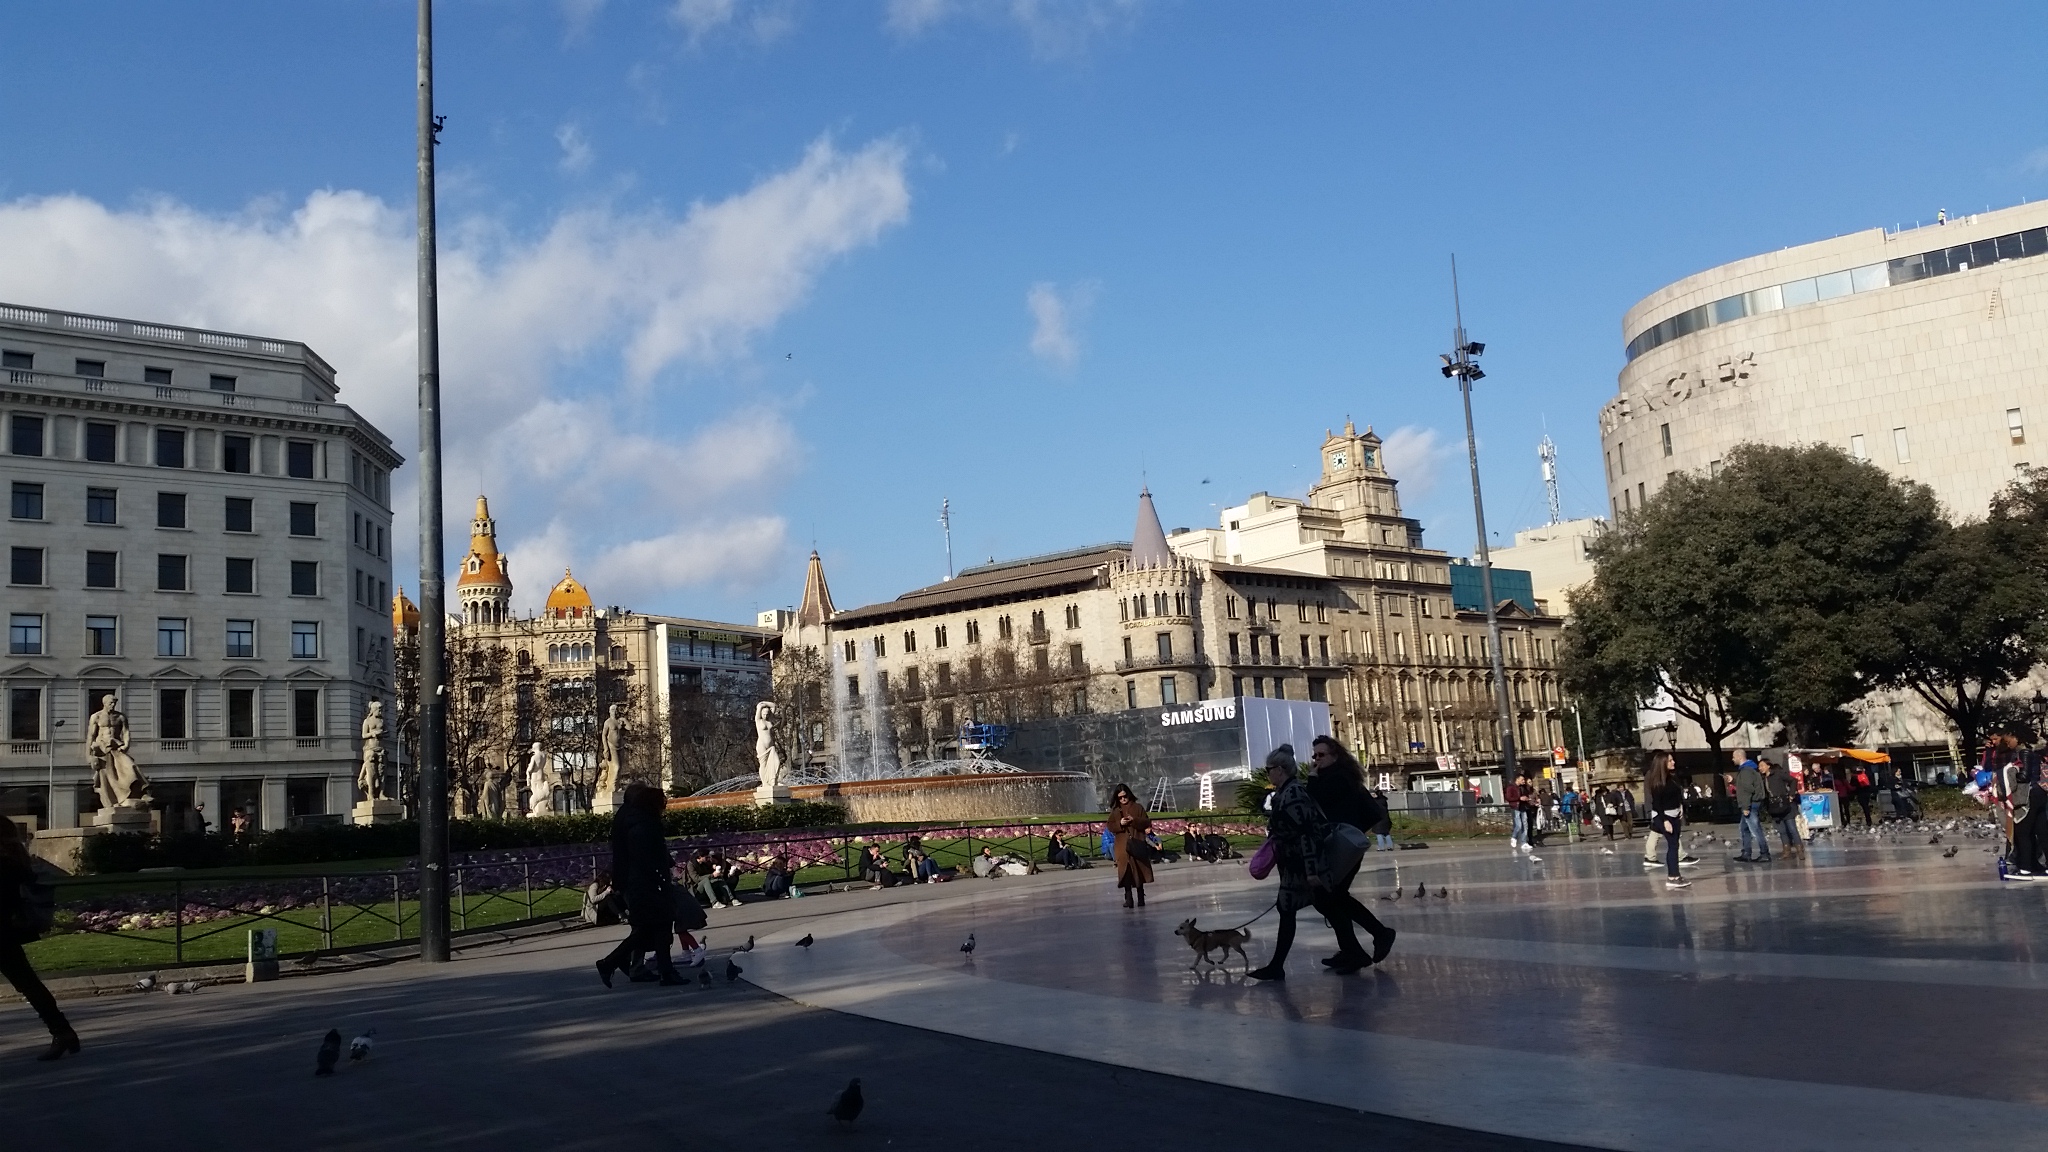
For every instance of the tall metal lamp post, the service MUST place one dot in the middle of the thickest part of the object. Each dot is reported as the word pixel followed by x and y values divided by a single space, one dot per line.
pixel 1459 366
pixel 432 811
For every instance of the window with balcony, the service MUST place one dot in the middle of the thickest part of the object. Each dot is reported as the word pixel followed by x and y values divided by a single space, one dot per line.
pixel 241 713
pixel 1164 643
pixel 171 716
pixel 24 714
pixel 306 713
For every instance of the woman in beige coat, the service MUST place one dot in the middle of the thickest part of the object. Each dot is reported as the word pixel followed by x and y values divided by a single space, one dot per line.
pixel 1128 823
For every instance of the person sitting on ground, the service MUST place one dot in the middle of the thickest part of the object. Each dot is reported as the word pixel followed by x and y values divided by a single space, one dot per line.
pixel 1158 849
pixel 1199 847
pixel 1057 852
pixel 988 865
pixel 726 871
pixel 874 868
pixel 916 863
pixel 704 876
pixel 602 906
pixel 777 880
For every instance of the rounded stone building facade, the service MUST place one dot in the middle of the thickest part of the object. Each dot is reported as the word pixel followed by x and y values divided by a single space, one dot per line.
pixel 1924 351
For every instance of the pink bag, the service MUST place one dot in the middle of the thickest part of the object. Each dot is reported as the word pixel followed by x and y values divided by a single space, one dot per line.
pixel 1262 861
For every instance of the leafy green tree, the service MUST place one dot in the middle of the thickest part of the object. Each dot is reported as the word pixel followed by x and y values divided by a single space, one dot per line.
pixel 1770 590
pixel 1971 621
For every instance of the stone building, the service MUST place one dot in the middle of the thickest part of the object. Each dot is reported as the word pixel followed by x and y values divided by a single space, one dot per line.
pixel 577 659
pixel 197 527
pixel 1923 351
pixel 1331 598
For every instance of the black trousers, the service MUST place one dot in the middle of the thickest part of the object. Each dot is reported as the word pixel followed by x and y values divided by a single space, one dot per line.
pixel 15 966
pixel 2028 841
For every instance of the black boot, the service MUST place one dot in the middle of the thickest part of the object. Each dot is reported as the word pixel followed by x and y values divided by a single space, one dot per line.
pixel 1127 898
pixel 1141 895
pixel 60 1043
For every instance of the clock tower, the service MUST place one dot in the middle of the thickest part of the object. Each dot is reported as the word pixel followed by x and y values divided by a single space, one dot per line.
pixel 1355 481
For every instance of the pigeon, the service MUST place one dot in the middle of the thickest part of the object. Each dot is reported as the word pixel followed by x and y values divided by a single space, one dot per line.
pixel 704 978
pixel 1420 891
pixel 1607 851
pixel 1443 893
pixel 359 1048
pixel 968 947
pixel 1395 896
pixel 732 970
pixel 847 1108
pixel 805 942
pixel 330 1051
pixel 747 947
pixel 1934 839
pixel 1951 851
pixel 182 988
pixel 146 983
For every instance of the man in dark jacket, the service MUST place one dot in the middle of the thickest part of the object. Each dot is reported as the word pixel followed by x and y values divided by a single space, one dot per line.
pixel 644 871
pixel 1749 801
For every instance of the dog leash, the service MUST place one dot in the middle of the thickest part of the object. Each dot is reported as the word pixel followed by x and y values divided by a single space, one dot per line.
pixel 1255 919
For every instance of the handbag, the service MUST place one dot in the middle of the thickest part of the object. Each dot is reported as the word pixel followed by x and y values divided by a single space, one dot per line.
pixel 1262 861
pixel 1344 850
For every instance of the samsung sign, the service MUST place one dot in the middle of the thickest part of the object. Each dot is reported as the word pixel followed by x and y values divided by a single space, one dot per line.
pixel 1201 713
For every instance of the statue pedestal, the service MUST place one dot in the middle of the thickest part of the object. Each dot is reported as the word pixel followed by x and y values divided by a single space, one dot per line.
pixel 122 818
pixel 604 803
pixel 377 812
pixel 765 797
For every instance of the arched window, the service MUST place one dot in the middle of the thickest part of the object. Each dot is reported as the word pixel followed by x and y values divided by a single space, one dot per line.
pixel 552 654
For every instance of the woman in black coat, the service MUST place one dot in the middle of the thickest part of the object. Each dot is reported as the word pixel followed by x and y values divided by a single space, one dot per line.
pixel 16 871
pixel 1338 787
pixel 643 870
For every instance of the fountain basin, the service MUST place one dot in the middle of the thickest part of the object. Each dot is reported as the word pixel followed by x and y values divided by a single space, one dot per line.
pixel 980 796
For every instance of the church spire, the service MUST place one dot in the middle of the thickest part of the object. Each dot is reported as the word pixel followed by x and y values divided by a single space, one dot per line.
pixel 817 606
pixel 1148 539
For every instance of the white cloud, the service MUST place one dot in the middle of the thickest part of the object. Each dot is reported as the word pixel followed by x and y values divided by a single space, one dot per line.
pixel 561 352
pixel 2035 161
pixel 765 20
pixel 576 151
pixel 1416 457
pixel 1055 318
pixel 577 16
pixel 1054 27
pixel 911 17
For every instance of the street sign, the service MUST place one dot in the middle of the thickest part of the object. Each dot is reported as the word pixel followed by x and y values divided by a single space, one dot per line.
pixel 1560 755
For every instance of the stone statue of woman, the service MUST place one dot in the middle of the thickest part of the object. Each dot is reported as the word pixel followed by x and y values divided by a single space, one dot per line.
pixel 541 798
pixel 611 752
pixel 370 777
pixel 766 755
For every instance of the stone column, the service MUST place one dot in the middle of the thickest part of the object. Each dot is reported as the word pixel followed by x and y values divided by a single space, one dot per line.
pixel 206 792
pixel 274 809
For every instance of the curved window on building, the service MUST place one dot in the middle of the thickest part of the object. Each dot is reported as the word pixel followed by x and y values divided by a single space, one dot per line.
pixel 1849 281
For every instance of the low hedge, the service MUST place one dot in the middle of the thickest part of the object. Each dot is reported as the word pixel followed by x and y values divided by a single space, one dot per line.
pixel 324 843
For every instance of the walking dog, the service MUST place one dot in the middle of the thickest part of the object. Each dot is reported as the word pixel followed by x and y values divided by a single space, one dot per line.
pixel 1225 939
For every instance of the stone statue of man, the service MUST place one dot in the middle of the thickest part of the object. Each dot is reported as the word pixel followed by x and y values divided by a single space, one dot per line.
pixel 115 776
pixel 541 790
pixel 493 800
pixel 370 777
pixel 612 752
pixel 766 755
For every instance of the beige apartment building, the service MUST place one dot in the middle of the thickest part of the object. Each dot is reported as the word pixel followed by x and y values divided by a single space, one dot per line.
pixel 592 656
pixel 197 527
pixel 1331 598
pixel 1924 351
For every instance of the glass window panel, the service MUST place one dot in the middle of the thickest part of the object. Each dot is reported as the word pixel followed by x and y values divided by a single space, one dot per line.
pixel 1799 292
pixel 2010 247
pixel 99 442
pixel 1834 284
pixel 2034 241
pixel 1906 271
pixel 1935 263
pixel 1959 258
pixel 170 448
pixel 1728 308
pixel 1983 252
pixel 101 635
pixel 170 636
pixel 1766 300
pixel 1868 277
pixel 101 505
pixel 102 569
pixel 241 638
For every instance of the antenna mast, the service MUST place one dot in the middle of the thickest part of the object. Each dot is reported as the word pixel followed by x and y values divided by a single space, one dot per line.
pixel 1546 451
pixel 946 522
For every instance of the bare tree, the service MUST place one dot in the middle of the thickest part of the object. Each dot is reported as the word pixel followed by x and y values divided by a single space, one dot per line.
pixel 711 736
pixel 802 691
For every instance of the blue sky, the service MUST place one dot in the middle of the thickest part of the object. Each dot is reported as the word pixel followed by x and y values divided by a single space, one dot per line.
pixel 725 279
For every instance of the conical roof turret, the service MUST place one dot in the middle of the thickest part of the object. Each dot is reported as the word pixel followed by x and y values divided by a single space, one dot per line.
pixel 1148 539
pixel 817 603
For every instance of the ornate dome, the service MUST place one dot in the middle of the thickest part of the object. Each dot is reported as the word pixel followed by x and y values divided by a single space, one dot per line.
pixel 405 615
pixel 569 598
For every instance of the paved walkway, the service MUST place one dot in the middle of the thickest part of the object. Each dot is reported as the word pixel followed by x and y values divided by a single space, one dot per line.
pixel 1882 998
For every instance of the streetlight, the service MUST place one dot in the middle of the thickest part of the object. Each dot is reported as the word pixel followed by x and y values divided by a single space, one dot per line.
pixel 1459 366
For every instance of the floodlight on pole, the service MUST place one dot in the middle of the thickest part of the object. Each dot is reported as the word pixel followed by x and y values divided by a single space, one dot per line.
pixel 1459 366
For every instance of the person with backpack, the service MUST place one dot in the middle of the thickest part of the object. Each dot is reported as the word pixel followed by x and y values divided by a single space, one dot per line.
pixel 25 913
pixel 1863 786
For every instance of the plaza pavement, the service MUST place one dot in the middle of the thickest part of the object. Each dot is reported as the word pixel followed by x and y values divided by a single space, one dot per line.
pixel 1882 998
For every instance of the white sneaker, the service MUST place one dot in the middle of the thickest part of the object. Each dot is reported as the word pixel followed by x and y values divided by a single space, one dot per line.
pixel 1535 859
pixel 1677 882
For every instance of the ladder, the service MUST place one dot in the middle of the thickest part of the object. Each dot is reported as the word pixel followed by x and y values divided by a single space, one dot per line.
pixel 1162 795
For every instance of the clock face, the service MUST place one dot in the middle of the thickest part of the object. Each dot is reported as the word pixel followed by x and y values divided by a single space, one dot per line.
pixel 1337 460
pixel 1367 459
